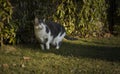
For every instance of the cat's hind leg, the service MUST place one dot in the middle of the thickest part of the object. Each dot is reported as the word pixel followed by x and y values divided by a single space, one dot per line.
pixel 58 44
pixel 42 46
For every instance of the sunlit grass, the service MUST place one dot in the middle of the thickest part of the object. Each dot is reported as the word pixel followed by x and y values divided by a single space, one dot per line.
pixel 83 56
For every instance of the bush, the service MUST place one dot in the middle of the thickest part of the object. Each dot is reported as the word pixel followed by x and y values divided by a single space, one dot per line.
pixel 92 18
pixel 7 30
pixel 24 13
pixel 117 18
pixel 83 18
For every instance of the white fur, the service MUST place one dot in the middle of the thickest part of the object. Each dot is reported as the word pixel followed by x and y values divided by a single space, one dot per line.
pixel 40 33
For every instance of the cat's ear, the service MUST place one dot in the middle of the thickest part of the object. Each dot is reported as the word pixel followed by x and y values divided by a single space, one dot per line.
pixel 36 20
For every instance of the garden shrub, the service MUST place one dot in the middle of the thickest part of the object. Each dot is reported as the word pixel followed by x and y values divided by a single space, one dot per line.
pixel 7 26
pixel 83 18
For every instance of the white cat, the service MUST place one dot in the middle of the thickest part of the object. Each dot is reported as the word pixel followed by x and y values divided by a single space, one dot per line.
pixel 49 33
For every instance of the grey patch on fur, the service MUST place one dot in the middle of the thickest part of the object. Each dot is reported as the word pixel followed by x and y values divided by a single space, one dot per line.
pixel 47 29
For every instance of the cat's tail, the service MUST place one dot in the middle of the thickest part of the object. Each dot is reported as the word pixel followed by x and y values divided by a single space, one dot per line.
pixel 70 38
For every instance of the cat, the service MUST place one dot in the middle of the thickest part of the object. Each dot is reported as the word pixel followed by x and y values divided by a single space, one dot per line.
pixel 48 33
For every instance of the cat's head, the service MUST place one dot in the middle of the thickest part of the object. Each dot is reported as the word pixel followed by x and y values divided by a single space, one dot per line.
pixel 39 24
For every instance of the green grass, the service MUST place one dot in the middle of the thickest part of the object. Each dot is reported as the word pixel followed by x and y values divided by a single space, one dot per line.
pixel 83 56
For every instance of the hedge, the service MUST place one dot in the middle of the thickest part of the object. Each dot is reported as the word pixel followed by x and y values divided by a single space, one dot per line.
pixel 83 18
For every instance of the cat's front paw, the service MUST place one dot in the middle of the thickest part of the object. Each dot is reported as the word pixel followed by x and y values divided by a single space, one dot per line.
pixel 42 47
pixel 47 47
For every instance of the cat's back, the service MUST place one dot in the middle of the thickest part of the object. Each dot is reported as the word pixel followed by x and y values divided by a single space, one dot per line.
pixel 55 28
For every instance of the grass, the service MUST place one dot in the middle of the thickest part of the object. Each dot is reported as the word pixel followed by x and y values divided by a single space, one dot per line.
pixel 83 56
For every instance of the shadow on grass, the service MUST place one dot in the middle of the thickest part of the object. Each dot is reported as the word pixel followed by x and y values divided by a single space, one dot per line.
pixel 89 51
pixel 78 50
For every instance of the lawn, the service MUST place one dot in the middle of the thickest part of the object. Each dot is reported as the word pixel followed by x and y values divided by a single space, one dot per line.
pixel 83 56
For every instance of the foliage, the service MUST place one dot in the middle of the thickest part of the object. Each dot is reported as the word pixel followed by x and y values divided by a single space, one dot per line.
pixel 87 17
pixel 83 18
pixel 7 30
pixel 66 15
pixel 92 17
pixel 118 7
pixel 24 13
pixel 117 18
